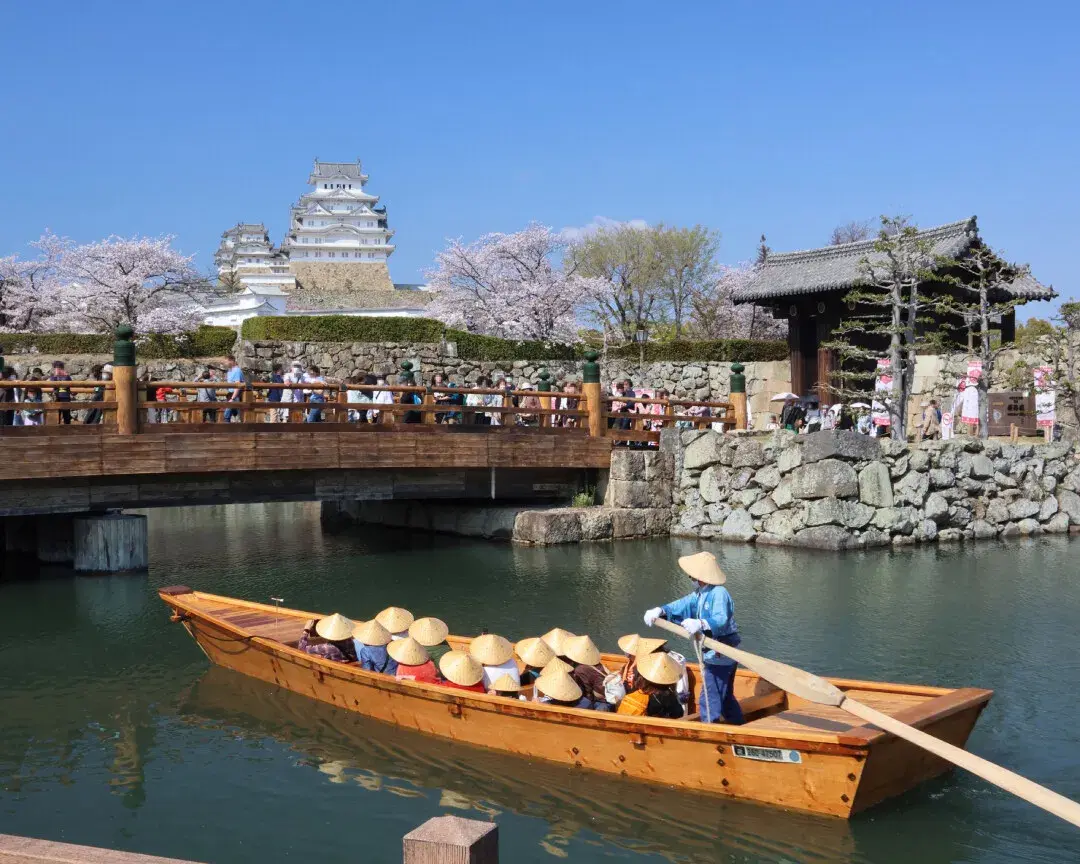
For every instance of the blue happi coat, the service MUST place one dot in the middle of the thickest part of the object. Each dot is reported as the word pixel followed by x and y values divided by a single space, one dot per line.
pixel 714 606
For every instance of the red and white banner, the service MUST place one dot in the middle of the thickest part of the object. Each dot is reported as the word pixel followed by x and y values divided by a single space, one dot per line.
pixel 883 384
pixel 1045 397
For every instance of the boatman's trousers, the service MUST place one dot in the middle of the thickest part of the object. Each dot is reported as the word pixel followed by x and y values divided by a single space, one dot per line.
pixel 719 680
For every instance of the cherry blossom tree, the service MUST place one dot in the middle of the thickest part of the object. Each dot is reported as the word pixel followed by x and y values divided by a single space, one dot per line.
pixel 27 290
pixel 140 281
pixel 509 285
pixel 714 314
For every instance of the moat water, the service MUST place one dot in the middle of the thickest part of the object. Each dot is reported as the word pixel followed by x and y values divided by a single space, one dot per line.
pixel 114 730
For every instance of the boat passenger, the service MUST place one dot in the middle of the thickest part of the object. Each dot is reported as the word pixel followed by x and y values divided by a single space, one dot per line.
pixel 558 688
pixel 370 639
pixel 396 620
pixel 656 696
pixel 635 646
pixel 413 661
pixel 535 653
pixel 330 638
pixel 496 655
pixel 462 671
pixel 555 638
pixel 431 633
pixel 507 687
pixel 708 610
pixel 588 671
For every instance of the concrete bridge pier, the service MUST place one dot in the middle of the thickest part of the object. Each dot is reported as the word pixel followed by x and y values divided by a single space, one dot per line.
pixel 110 542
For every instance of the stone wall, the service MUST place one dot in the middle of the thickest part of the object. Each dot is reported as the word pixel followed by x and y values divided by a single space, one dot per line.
pixel 353 282
pixel 704 381
pixel 78 366
pixel 840 490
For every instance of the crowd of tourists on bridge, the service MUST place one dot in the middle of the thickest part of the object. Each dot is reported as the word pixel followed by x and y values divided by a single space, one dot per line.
pixel 559 667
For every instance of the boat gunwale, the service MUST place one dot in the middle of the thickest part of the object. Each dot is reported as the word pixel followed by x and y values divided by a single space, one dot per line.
pixel 941 702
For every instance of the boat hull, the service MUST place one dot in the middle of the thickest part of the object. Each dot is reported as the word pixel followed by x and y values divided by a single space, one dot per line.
pixel 835 774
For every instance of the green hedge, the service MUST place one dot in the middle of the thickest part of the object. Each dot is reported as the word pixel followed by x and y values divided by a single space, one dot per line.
pixel 342 328
pixel 473 346
pixel 204 342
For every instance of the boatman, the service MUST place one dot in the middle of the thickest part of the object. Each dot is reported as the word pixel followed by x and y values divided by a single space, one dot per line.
pixel 708 610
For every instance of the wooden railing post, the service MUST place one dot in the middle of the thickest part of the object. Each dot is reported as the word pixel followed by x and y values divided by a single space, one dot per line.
pixel 590 389
pixel 738 394
pixel 247 396
pixel 125 385
pixel 545 401
pixel 428 417
pixel 452 840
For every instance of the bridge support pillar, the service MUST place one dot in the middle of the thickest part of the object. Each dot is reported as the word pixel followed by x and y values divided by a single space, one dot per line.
pixel 111 543
pixel 20 535
pixel 56 538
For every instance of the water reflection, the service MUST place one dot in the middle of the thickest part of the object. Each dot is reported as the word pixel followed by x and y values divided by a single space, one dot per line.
pixel 347 748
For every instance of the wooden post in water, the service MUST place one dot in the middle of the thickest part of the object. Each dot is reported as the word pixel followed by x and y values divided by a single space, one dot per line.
pixel 545 401
pixel 590 389
pixel 452 840
pixel 125 385
pixel 738 394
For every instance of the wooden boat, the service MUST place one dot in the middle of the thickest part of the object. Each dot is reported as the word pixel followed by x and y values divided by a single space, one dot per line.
pixel 789 753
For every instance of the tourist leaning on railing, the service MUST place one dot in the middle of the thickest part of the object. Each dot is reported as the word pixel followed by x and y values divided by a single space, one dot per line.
pixel 208 394
pixel 61 394
pixel 314 396
pixel 275 395
pixel 235 375
pixel 7 395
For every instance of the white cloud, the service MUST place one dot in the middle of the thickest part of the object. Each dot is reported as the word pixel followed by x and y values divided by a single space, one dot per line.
pixel 573 235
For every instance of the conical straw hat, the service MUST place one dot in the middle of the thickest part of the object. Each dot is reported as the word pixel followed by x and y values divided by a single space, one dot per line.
pixel 371 633
pixel 555 638
pixel 408 652
pixel 506 684
pixel 335 628
pixel 581 649
pixel 556 665
pixel 491 650
pixel 461 669
pixel 634 644
pixel 534 652
pixel 703 568
pixel 659 668
pixel 395 619
pixel 428 631
pixel 558 685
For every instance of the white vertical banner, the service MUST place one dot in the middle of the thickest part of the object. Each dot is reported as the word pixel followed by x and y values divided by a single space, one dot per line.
pixel 883 385
pixel 1045 397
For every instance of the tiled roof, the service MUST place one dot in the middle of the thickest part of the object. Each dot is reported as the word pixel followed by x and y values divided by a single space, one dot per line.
pixel 835 268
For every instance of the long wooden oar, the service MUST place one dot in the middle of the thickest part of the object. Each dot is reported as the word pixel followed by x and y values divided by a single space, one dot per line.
pixel 816 689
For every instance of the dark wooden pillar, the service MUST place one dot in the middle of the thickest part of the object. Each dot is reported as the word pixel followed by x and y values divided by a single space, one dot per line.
pixel 1008 327
pixel 795 356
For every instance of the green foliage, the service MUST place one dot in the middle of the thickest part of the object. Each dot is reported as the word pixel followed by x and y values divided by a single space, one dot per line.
pixel 204 342
pixel 474 346
pixel 1029 333
pixel 584 499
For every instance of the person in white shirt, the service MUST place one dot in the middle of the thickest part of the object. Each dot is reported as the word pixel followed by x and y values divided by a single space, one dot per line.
pixel 293 394
pixel 315 396
pixel 381 397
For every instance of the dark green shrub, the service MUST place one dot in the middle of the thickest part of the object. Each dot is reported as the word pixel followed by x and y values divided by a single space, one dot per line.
pixel 204 342
pixel 341 328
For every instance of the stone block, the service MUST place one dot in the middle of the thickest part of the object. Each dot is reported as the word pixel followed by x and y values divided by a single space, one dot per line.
pixel 704 451
pixel 831 537
pixel 1048 508
pixel 783 523
pixel 850 514
pixel 937 509
pixel 717 513
pixel 950 535
pixel 748 454
pixel 1022 508
pixel 900 466
pixel 768 477
pixel 598 523
pixel 839 445
pixel 1069 503
pixel 789 459
pixel 739 526
pixel 919 461
pixel 912 488
pixel 632 494
pixel 763 507
pixel 875 485
pixel 982 466
pixel 1010 530
pixel 826 478
pixel 627 464
pixel 997 511
pixel 927 530
pixel 747 497
pixel 715 483
pixel 548 527
pixel 657 521
pixel 627 523
pixel 781 495
pixel 983 530
pixel 941 478
pixel 1027 527
pixel 1057 524
pixel 872 537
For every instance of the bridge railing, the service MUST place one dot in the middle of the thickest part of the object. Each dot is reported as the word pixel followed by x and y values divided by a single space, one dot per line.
pixel 126 404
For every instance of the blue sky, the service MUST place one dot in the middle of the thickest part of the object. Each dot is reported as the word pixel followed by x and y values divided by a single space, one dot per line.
pixel 785 118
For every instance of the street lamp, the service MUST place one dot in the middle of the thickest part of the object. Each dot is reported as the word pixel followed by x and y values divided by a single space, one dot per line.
pixel 641 337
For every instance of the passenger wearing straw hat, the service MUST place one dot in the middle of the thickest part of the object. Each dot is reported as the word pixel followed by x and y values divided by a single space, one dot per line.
pixel 413 661
pixel 370 639
pixel 708 610
pixel 330 638
pixel 496 655
pixel 506 687
pixel 656 696
pixel 535 653
pixel 396 620
pixel 635 646
pixel 556 687
pixel 431 633
pixel 462 671
pixel 587 670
